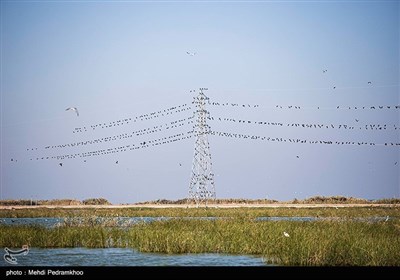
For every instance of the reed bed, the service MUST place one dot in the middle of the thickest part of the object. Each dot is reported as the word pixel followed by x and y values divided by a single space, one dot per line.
pixel 320 243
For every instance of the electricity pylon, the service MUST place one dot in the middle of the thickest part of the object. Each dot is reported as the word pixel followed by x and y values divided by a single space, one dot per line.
pixel 201 187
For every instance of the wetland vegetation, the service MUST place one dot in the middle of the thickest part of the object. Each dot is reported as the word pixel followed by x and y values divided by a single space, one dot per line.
pixel 342 239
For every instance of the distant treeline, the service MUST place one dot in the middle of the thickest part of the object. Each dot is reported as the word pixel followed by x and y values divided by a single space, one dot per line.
pixel 344 200
pixel 103 201
pixel 311 200
pixel 22 202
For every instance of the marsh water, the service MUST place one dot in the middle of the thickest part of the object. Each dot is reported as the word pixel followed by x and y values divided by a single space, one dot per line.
pixel 125 257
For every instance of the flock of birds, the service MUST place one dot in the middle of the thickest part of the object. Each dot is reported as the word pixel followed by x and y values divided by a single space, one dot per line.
pixel 233 104
pixel 140 132
pixel 309 125
pixel 143 117
pixel 298 140
pixel 298 107
pixel 119 149
pixel 189 120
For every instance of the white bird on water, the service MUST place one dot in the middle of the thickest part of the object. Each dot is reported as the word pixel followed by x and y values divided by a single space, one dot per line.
pixel 286 234
pixel 73 109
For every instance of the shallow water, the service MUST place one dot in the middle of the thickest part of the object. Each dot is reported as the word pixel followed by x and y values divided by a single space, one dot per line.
pixel 125 257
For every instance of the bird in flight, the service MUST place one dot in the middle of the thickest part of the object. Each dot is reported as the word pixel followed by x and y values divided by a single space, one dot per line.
pixel 370 83
pixel 191 54
pixel 60 164
pixel 73 109
pixel 116 162
pixel 334 87
pixel 357 120
pixel 324 71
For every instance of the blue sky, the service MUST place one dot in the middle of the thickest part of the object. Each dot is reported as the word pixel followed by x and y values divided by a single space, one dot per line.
pixel 121 60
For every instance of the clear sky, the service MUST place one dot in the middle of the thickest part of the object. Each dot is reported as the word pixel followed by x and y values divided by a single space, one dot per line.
pixel 121 60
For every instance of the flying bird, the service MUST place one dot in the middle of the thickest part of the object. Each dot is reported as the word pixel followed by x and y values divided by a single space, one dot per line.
pixel 116 162
pixel 370 83
pixel 73 109
pixel 60 163
pixel 324 71
pixel 334 87
pixel 286 234
pixel 191 54
pixel 357 120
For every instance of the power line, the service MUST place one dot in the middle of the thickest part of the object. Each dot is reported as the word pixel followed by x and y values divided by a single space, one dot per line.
pixel 119 149
pixel 342 126
pixel 300 140
pixel 126 120
pixel 140 132
pixel 301 107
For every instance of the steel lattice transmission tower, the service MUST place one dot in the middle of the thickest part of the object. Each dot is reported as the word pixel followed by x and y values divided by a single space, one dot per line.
pixel 201 187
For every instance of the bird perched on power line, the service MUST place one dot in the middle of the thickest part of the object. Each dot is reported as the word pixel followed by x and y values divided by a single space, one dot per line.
pixel 73 109
pixel 191 53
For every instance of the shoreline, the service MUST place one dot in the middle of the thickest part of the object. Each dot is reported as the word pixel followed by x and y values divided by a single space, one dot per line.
pixel 214 206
